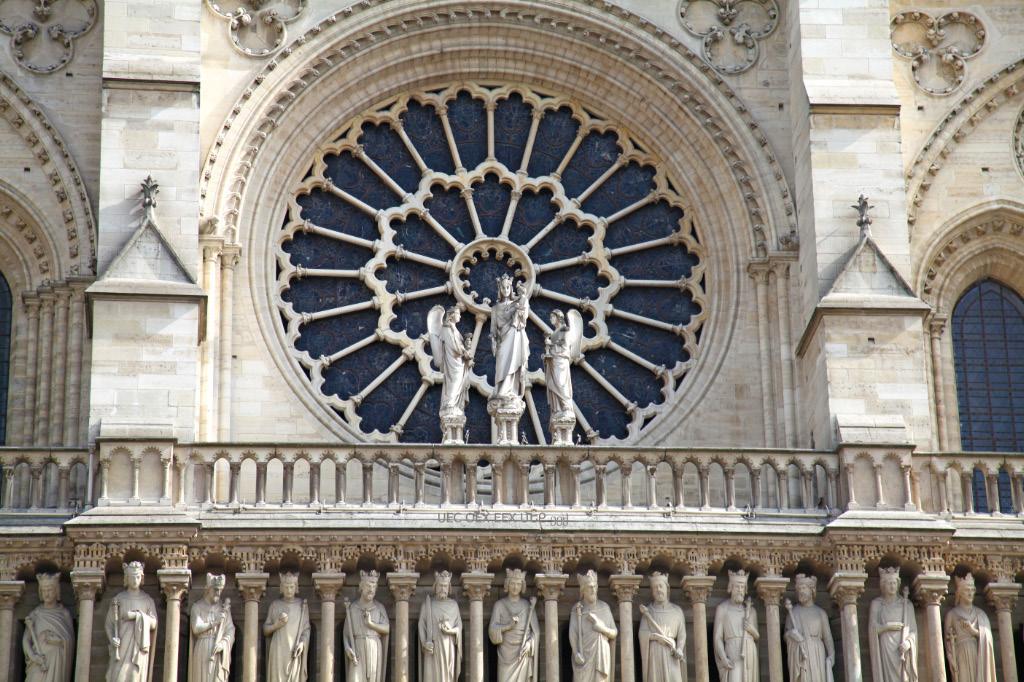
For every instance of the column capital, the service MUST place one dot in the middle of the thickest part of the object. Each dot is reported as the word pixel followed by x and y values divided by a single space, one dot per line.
pixel 10 593
pixel 930 588
pixel 328 585
pixel 174 582
pixel 550 585
pixel 758 270
pixel 845 587
pixel 252 585
pixel 402 584
pixel 87 583
pixel 698 587
pixel 625 586
pixel 477 585
pixel 771 588
pixel 1002 596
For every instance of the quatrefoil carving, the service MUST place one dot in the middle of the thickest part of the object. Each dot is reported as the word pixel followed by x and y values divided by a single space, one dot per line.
pixel 731 29
pixel 938 48
pixel 257 28
pixel 43 31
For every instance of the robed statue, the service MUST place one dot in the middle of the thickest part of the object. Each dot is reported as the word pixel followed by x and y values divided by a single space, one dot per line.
pixel 514 629
pixel 366 633
pixel 440 631
pixel 454 358
pixel 735 634
pixel 49 640
pixel 969 646
pixel 591 633
pixel 808 635
pixel 892 631
pixel 509 343
pixel 662 636
pixel 287 625
pixel 562 348
pixel 131 630
pixel 213 634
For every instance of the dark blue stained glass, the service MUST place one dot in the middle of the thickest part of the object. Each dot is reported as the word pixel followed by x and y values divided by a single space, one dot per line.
pixel 542 306
pixel 596 154
pixel 512 121
pixel 411 316
pixel 492 199
pixel 384 406
pixel 326 336
pixel 449 209
pixel 660 262
pixel 468 120
pixel 1005 492
pixel 484 359
pixel 555 135
pixel 478 422
pixel 316 251
pixel 6 305
pixel 526 430
pixel 657 345
pixel 425 130
pixel 483 276
pixel 653 221
pixel 605 414
pixel 666 305
pixel 328 211
pixel 359 180
pixel 313 294
pixel 581 281
pixel 417 236
pixel 385 147
pixel 423 425
pixel 567 240
pixel 626 186
pixel 540 401
pixel 345 379
pixel 533 212
pixel 536 336
pixel 987 327
pixel 631 380
pixel 980 492
pixel 408 276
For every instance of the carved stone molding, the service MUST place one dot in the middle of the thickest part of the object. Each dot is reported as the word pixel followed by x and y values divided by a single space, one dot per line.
pixel 477 585
pixel 87 583
pixel 846 588
pixel 1002 596
pixel 938 48
pixel 10 593
pixel 550 585
pixel 251 586
pixel 257 28
pixel 730 29
pixel 771 589
pixel 402 585
pixel 698 587
pixel 328 585
pixel 1018 141
pixel 625 586
pixel 43 32
pixel 930 589
pixel 174 582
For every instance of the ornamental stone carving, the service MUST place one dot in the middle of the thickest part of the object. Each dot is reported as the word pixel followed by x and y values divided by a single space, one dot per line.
pixel 808 635
pixel 287 625
pixel 892 631
pixel 662 636
pixel 1018 142
pixel 366 633
pixel 968 635
pixel 440 634
pixel 515 631
pixel 257 28
pixel 131 630
pixel 49 639
pixel 561 349
pixel 43 32
pixel 212 634
pixel 730 29
pixel 938 48
pixel 736 634
pixel 592 633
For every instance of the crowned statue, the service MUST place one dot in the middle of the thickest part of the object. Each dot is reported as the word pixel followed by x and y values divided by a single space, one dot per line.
pixel 514 629
pixel 440 631
pixel 969 646
pixel 662 636
pixel 287 625
pixel 808 635
pixel 49 640
pixel 735 633
pixel 213 634
pixel 366 633
pixel 511 349
pixel 131 630
pixel 591 633
pixel 892 631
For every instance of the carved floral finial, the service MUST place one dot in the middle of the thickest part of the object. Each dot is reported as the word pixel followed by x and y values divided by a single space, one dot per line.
pixel 149 191
pixel 864 220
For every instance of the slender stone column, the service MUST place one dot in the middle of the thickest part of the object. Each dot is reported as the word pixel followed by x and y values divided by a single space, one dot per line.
pixel 845 589
pixel 402 586
pixel 759 272
pixel 59 373
pixel 327 587
pixel 625 587
pixel 31 368
pixel 72 408
pixel 42 429
pixel 251 587
pixel 174 582
pixel 1003 597
pixel 935 327
pixel 781 271
pixel 228 261
pixel 770 590
pixel 207 351
pixel 697 589
pixel 929 589
pixel 550 585
pixel 87 584
pixel 10 593
pixel 476 586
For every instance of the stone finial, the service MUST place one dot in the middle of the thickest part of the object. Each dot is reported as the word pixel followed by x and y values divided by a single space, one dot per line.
pixel 149 191
pixel 863 220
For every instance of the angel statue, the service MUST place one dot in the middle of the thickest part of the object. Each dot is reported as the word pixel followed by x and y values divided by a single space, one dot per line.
pixel 561 349
pixel 452 355
pixel 511 349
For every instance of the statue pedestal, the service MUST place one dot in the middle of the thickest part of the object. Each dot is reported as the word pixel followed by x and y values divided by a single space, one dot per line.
pixel 453 424
pixel 506 412
pixel 562 425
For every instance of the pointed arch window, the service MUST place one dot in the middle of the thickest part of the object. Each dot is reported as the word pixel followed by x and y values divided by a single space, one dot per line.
pixel 988 351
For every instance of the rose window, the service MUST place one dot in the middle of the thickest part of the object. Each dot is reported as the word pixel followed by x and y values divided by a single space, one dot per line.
pixel 430 197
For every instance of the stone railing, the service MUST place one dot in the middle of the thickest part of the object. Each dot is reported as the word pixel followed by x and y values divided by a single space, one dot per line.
pixel 969 483
pixel 44 479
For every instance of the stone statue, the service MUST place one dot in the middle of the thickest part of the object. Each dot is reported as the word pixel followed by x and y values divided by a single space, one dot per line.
pixel 366 633
pixel 662 636
pixel 49 640
pixel 969 637
pixel 561 349
pixel 514 629
pixel 213 634
pixel 131 630
pixel 736 635
pixel 452 356
pixel 440 630
pixel 287 625
pixel 511 349
pixel 591 631
pixel 812 652
pixel 892 631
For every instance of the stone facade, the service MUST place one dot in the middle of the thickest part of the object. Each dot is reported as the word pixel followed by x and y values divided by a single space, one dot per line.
pixel 167 402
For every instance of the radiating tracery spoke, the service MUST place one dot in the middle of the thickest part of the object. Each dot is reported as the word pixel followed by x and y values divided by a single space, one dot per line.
pixel 427 198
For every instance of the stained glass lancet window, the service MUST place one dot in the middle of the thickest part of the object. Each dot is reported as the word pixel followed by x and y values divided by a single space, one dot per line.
pixel 429 197
pixel 5 352
pixel 988 350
